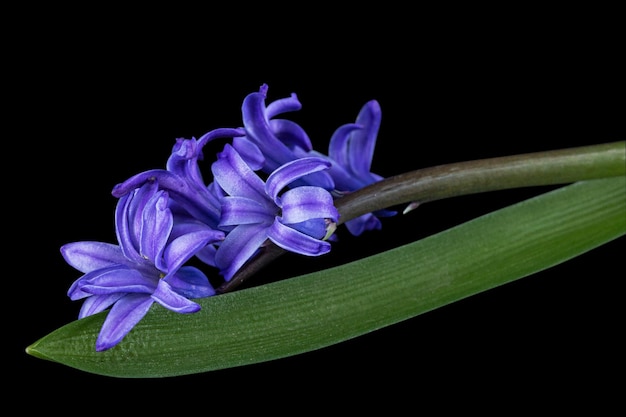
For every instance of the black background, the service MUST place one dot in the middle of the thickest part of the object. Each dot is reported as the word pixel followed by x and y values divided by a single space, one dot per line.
pixel 97 102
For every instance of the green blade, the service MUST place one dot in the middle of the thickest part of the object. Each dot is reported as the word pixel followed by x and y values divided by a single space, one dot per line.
pixel 312 311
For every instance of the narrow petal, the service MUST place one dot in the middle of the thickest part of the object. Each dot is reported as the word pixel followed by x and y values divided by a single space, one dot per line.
pixel 97 303
pixel 338 147
pixel 88 256
pixel 241 210
pixel 291 171
pixel 220 133
pixel 183 160
pixel 167 180
pixel 207 254
pixel 170 299
pixel 118 280
pixel 259 131
pixel 124 315
pixel 304 203
pixel 282 105
pixel 235 176
pixel 317 228
pixel 240 245
pixel 184 247
pixel 362 223
pixel 291 134
pixel 190 282
pixel 295 241
pixel 124 228
pixel 157 223
pixel 250 153
pixel 363 142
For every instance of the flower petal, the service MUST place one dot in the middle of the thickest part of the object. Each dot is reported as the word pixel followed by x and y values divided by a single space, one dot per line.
pixel 295 241
pixel 250 153
pixel 362 223
pixel 305 203
pixel 170 299
pixel 119 279
pixel 282 105
pixel 363 142
pixel 97 303
pixel 219 134
pixel 190 282
pixel 88 256
pixel 291 134
pixel 240 244
pixel 181 249
pixel 292 171
pixel 241 210
pixel 157 223
pixel 124 315
pixel 235 176
pixel 338 147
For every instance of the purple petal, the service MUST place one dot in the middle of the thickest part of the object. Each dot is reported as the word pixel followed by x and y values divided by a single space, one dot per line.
pixel 291 134
pixel 124 228
pixel 259 131
pixel 291 171
pixel 240 245
pixel 317 228
pixel 282 105
pixel 304 203
pixel 88 256
pixel 235 176
pixel 220 133
pixel 168 298
pixel 207 255
pixel 338 147
pixel 190 282
pixel 250 153
pixel 181 249
pixel 167 180
pixel 120 279
pixel 97 303
pixel 295 241
pixel 157 223
pixel 362 223
pixel 241 210
pixel 363 142
pixel 183 160
pixel 124 315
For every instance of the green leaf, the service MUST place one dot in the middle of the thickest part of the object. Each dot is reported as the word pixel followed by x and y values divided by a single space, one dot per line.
pixel 312 311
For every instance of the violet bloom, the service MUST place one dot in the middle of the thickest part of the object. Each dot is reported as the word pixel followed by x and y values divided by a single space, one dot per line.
pixel 183 180
pixel 350 151
pixel 192 201
pixel 271 142
pixel 298 220
pixel 145 267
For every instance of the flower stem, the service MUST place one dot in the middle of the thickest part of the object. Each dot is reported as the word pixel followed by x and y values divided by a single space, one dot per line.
pixel 471 177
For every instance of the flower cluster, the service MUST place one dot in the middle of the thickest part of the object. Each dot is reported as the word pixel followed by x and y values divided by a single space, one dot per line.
pixel 268 185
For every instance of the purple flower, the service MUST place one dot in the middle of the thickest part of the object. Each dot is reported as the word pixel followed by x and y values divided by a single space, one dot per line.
pixel 270 142
pixel 183 180
pixel 145 267
pixel 350 151
pixel 298 220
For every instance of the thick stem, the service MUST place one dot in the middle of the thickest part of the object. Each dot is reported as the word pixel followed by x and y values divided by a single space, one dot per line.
pixel 444 181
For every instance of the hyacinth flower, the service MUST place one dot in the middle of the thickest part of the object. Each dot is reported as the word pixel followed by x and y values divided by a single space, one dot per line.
pixel 192 201
pixel 270 142
pixel 299 220
pixel 146 266
pixel 183 180
pixel 350 151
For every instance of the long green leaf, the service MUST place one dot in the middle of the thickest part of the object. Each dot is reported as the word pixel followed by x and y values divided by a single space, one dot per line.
pixel 312 311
